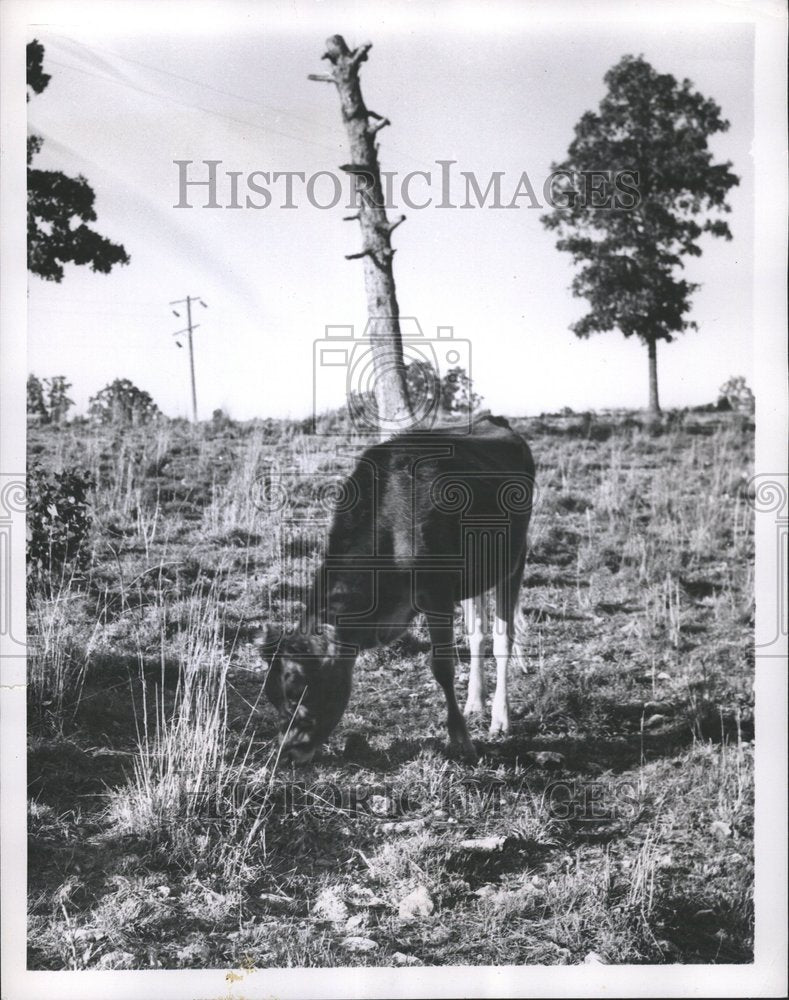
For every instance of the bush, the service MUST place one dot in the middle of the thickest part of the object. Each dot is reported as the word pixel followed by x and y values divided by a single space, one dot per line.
pixel 58 522
pixel 121 402
pixel 220 421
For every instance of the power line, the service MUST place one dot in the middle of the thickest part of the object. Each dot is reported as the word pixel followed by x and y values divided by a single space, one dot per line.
pixel 188 329
pixel 311 123
pixel 195 107
pixel 196 83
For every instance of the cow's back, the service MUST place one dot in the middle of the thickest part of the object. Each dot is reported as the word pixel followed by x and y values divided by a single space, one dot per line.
pixel 417 494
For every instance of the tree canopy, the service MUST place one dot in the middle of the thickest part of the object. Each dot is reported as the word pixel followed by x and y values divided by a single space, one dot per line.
pixel 121 402
pixel 54 200
pixel 656 192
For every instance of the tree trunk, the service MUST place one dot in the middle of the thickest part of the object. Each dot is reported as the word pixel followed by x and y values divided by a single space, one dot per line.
pixel 383 328
pixel 654 402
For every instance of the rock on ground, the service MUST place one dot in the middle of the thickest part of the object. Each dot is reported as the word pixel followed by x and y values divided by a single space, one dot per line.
pixel 398 958
pixel 359 945
pixel 329 906
pixel 416 904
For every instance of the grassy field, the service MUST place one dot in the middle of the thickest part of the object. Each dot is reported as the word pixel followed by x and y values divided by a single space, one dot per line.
pixel 613 824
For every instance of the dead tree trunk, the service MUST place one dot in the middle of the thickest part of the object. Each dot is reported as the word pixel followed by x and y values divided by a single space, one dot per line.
pixel 362 125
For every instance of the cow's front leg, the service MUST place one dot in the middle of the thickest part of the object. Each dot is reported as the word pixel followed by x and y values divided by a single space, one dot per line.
pixel 475 621
pixel 443 666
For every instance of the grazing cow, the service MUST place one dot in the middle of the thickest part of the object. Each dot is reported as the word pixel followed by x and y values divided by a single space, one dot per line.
pixel 428 519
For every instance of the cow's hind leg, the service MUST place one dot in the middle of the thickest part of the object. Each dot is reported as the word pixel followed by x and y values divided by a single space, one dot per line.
pixel 443 665
pixel 475 619
pixel 507 592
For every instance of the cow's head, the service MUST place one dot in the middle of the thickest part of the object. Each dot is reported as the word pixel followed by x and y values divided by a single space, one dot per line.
pixel 309 683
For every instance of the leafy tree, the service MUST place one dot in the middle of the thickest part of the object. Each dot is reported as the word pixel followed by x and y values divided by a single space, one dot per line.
pixel 451 395
pixel 457 392
pixel 736 394
pixel 37 79
pixel 424 387
pixel 630 235
pixel 121 402
pixel 48 400
pixel 36 407
pixel 58 401
pixel 53 200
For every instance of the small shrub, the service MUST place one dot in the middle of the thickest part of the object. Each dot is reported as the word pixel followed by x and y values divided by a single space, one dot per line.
pixel 58 522
pixel 221 423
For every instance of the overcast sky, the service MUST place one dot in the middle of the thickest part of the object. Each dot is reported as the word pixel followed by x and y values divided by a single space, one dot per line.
pixel 129 97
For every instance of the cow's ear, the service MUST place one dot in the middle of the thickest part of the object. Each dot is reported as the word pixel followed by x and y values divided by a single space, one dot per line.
pixel 265 642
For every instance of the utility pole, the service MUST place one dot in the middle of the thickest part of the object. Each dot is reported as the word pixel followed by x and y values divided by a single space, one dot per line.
pixel 362 125
pixel 190 327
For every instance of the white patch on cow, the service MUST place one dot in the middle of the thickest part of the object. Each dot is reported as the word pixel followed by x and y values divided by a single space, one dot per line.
pixel 474 613
pixel 502 647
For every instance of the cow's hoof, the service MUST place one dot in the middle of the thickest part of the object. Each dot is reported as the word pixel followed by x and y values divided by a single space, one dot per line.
pixel 474 708
pixel 499 716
